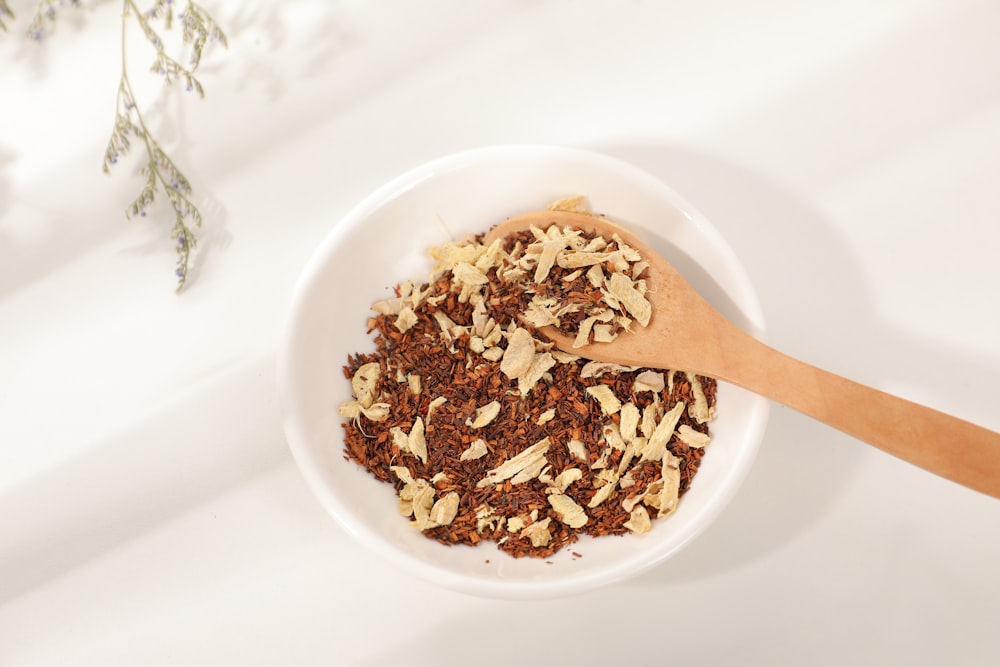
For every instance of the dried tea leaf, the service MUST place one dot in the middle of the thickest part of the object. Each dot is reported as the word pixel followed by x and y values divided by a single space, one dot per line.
pixel 606 398
pixel 569 512
pixel 484 415
pixel 691 437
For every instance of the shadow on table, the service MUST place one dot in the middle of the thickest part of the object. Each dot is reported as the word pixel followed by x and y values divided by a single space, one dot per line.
pixel 154 470
pixel 817 307
pixel 813 292
pixel 5 161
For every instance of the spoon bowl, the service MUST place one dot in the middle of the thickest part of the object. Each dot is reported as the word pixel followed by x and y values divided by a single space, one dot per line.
pixel 686 333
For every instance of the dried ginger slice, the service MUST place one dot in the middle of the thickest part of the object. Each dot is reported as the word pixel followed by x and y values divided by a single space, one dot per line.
pixel 520 467
pixel 569 512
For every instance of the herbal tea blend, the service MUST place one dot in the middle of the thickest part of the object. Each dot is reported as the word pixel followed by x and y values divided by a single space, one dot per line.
pixel 488 432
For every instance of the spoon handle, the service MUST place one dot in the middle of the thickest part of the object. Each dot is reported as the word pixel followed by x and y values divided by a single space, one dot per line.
pixel 947 446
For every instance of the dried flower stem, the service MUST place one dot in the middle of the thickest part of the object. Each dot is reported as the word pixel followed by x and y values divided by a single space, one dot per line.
pixel 5 13
pixel 198 29
pixel 159 170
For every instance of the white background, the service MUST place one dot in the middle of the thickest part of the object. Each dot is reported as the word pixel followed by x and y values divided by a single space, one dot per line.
pixel 150 513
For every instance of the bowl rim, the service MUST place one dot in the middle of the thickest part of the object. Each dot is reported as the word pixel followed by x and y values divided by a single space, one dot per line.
pixel 299 440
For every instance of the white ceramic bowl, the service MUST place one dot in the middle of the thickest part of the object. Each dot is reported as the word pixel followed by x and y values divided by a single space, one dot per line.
pixel 383 241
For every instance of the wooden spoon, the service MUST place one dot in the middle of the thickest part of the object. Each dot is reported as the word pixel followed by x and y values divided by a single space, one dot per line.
pixel 686 333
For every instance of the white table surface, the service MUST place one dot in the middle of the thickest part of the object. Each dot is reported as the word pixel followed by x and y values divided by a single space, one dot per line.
pixel 150 513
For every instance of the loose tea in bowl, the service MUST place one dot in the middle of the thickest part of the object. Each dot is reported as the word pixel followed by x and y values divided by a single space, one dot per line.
pixel 489 433
pixel 459 424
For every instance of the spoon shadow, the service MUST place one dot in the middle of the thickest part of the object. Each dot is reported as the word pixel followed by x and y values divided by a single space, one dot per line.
pixel 812 291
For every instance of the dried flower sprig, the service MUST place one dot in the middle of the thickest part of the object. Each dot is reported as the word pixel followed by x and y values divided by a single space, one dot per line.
pixel 45 17
pixel 5 15
pixel 159 170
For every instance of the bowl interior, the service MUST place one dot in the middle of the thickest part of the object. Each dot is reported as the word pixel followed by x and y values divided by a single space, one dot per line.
pixel 384 240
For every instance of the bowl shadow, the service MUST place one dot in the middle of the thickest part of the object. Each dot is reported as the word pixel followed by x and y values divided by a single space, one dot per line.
pixel 790 484
pixel 812 290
